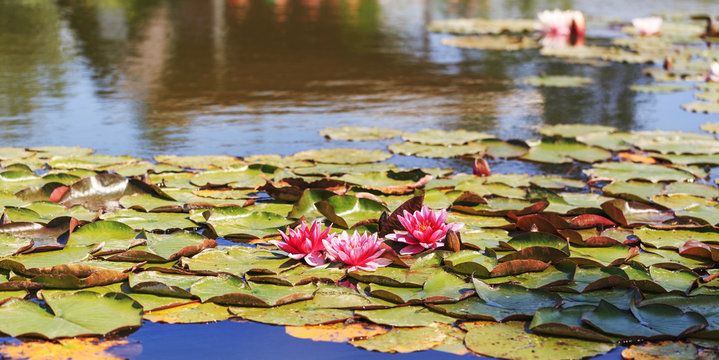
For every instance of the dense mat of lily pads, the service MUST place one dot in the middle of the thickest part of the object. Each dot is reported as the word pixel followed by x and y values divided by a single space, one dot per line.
pixel 337 245
pixel 681 46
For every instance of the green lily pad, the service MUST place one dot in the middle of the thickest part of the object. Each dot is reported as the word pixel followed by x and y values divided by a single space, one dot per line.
pixel 227 289
pixel 235 221
pixel 558 81
pixel 702 107
pixel 238 176
pixel 574 130
pixel 403 340
pixel 296 314
pixel 509 340
pixel 406 316
pixel 558 152
pixel 624 171
pixel 82 313
pixel 495 42
pixel 345 211
pixel 140 220
pixel 437 151
pixel 158 283
pixel 199 161
pixel 660 88
pixel 358 133
pixel 443 138
pixel 342 156
pixel 675 238
pixel 439 287
pixel 565 322
pixel 237 260
pixel 189 314
pixel 482 26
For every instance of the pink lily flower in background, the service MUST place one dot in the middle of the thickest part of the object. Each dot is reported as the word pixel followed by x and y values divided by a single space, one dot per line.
pixel 713 72
pixel 304 243
pixel 562 22
pixel 359 251
pixel 426 229
pixel 648 25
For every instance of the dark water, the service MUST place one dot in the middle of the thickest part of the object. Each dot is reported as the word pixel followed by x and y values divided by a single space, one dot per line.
pixel 247 77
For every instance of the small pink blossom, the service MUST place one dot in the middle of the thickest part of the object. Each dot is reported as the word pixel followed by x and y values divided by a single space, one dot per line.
pixel 359 251
pixel 304 243
pixel 562 22
pixel 648 25
pixel 426 229
pixel 713 72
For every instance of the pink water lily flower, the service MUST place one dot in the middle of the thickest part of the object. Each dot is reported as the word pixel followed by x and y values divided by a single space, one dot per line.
pixel 359 251
pixel 648 25
pixel 304 243
pixel 562 22
pixel 426 229
pixel 713 72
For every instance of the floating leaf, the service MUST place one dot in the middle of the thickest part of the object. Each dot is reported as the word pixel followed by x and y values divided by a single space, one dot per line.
pixel 443 138
pixel 339 332
pixel 343 156
pixel 558 81
pixel 497 42
pixel 403 340
pixel 358 133
pixel 189 314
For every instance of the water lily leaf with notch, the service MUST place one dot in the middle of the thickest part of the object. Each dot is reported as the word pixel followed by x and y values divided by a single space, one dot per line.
pixel 537 246
pixel 710 127
pixel 591 278
pixel 238 222
pixel 701 304
pixel 691 206
pixel 675 238
pixel 441 137
pixel 342 156
pixel 573 130
pixel 140 220
pixel 237 260
pixel 10 244
pixel 437 151
pixel 189 314
pixel 161 248
pixel 228 289
pixel 81 313
pixel 52 236
pixel 403 340
pixel 670 259
pixel 681 280
pixel 435 199
pixel 679 146
pixel 7 153
pixel 509 341
pixel 471 263
pixel 660 88
pixel 603 256
pixel 359 133
pixel 549 278
pixel 163 284
pixel 619 297
pixel 494 42
pixel 340 297
pixel 89 162
pixel 301 275
pixel 148 301
pixel 499 303
pixel 173 180
pixel 345 211
pixel 423 267
pixel 685 188
pixel 505 149
pixel 199 161
pixel 654 321
pixel 115 235
pixel 295 314
pixel 238 176
pixel 558 81
pixel 481 239
pixel 405 316
pixel 479 222
pixel 478 26
pixel 441 286
pixel 564 151
pixel 305 206
pixel 47 211
pixel 624 171
pixel 712 159
pixel 388 182
pixel 634 190
pixel 635 214
pixel 16 180
pixel 565 322
pixel 477 186
pixel 21 263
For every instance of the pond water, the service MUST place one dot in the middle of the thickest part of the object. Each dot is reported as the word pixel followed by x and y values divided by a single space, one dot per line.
pixel 245 77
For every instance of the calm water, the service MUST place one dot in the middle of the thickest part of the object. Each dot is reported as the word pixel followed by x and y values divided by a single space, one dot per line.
pixel 246 77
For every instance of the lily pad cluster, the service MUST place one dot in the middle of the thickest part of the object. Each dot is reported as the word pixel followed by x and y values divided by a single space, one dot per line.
pixel 679 49
pixel 626 252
